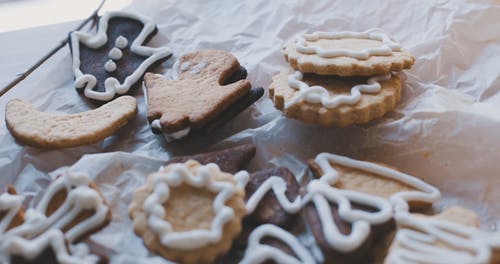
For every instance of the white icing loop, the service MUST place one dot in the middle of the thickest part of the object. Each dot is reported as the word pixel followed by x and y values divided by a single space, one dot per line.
pixel 319 94
pixel 425 192
pixel 84 81
pixel 10 204
pixel 278 186
pixel 386 49
pixel 121 42
pixel 179 174
pixel 416 242
pixel 115 54
pixel 259 253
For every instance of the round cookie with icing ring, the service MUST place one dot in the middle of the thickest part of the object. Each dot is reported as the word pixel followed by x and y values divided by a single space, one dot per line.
pixel 333 100
pixel 346 53
pixel 188 212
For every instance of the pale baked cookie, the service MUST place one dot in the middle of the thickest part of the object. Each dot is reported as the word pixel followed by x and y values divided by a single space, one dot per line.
pixel 71 208
pixel 347 53
pixel 209 85
pixel 353 202
pixel 188 212
pixel 44 130
pixel 449 237
pixel 333 100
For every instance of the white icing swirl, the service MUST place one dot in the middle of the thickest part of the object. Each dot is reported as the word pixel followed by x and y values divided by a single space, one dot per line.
pixel 110 66
pixel 259 253
pixel 386 49
pixel 10 204
pixel 416 242
pixel 115 54
pixel 88 82
pixel 319 94
pixel 178 174
pixel 121 42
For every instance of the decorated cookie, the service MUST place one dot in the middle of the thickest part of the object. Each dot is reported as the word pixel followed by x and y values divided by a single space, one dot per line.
pixel 229 160
pixel 334 100
pixel 353 201
pixel 44 130
pixel 188 212
pixel 11 210
pixel 109 62
pixel 450 237
pixel 272 196
pixel 71 209
pixel 366 53
pixel 200 94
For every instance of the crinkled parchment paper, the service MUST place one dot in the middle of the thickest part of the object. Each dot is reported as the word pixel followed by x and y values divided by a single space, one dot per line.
pixel 445 131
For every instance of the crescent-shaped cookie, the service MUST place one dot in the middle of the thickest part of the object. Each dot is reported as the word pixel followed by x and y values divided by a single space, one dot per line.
pixel 45 130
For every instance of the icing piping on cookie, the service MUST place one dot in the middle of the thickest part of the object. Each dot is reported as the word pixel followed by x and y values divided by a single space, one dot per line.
pixel 319 94
pixel 259 253
pixel 115 54
pixel 111 84
pixel 180 173
pixel 416 242
pixel 32 248
pixel 426 192
pixel 322 194
pixel 110 66
pixel 79 197
pixel 10 204
pixel 278 186
pixel 121 42
pixel 386 49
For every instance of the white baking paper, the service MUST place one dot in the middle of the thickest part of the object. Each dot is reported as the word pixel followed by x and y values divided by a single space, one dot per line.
pixel 445 130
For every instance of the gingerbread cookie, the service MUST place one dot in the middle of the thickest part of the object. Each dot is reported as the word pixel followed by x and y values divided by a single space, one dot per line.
pixel 199 95
pixel 334 100
pixel 188 212
pixel 347 53
pixel 450 237
pixel 230 160
pixel 71 209
pixel 110 62
pixel 44 130
pixel 354 200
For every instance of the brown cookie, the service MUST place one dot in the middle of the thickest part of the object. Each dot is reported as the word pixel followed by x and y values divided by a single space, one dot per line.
pixel 270 210
pixel 333 100
pixel 347 53
pixel 110 62
pixel 197 220
pixel 44 130
pixel 229 160
pixel 197 96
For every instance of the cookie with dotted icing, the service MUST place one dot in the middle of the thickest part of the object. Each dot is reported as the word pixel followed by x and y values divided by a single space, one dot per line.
pixel 70 209
pixel 205 90
pixel 110 62
pixel 453 236
pixel 188 212
pixel 333 100
pixel 346 53
pixel 44 130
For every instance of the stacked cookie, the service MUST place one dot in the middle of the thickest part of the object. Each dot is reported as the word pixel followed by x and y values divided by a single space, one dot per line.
pixel 340 79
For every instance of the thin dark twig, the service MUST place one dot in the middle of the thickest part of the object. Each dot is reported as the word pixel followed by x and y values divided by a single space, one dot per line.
pixel 21 77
